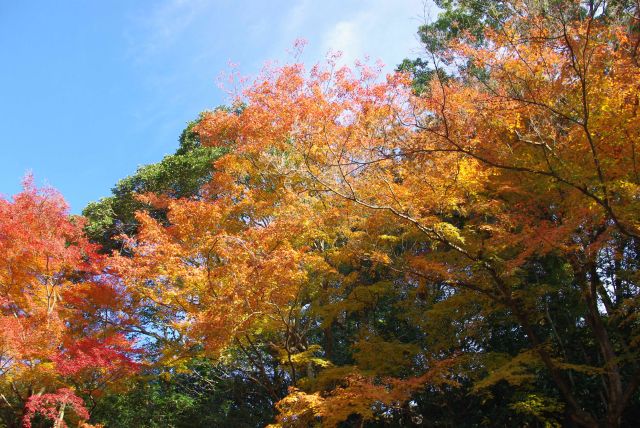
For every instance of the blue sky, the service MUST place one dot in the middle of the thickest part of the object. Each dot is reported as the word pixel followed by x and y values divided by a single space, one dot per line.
pixel 90 90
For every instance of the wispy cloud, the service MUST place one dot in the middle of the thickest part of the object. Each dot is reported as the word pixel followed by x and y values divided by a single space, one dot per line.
pixel 162 26
pixel 296 17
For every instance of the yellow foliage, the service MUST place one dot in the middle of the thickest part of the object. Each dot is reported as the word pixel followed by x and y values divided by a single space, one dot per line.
pixel 514 370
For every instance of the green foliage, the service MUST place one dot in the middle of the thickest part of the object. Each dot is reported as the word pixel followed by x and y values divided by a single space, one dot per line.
pixel 202 396
pixel 456 17
pixel 542 408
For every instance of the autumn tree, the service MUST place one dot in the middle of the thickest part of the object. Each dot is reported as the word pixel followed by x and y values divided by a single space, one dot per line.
pixel 52 356
pixel 194 388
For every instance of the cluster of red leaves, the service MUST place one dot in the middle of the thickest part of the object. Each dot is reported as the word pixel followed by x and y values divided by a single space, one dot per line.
pixel 50 407
pixel 110 354
pixel 36 226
